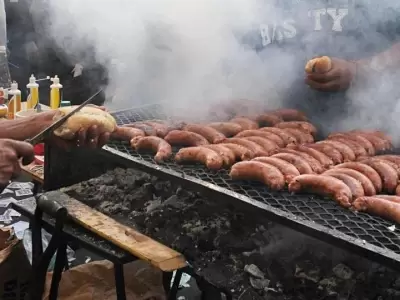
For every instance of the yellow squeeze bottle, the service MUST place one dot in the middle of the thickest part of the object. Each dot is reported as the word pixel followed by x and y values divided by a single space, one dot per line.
pixel 33 98
pixel 55 95
pixel 14 105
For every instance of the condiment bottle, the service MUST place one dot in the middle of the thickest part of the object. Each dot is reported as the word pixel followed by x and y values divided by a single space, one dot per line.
pixel 33 98
pixel 55 95
pixel 14 105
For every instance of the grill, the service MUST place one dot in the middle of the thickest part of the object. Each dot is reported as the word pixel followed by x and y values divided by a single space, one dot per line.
pixel 322 218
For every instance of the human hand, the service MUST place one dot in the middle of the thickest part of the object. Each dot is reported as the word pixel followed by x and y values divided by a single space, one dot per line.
pixel 10 153
pixel 338 78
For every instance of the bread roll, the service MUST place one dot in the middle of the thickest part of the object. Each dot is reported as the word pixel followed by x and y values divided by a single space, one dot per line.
pixel 319 65
pixel 83 119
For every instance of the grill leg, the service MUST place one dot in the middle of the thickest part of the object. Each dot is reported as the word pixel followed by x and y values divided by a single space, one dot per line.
pixel 175 285
pixel 58 269
pixel 167 276
pixel 119 281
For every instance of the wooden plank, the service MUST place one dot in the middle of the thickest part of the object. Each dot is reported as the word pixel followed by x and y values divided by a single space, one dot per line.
pixel 29 170
pixel 125 237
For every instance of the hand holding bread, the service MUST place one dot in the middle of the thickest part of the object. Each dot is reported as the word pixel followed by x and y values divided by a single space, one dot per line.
pixel 320 65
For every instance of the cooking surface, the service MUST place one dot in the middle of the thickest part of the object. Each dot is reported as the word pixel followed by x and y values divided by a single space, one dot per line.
pixel 310 212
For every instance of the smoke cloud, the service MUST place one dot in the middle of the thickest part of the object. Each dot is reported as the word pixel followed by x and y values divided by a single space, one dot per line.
pixel 194 54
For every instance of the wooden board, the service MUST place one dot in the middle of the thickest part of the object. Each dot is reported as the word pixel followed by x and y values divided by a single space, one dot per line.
pixel 125 237
pixel 30 171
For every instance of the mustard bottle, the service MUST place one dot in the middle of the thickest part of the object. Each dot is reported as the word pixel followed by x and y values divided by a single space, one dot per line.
pixel 14 105
pixel 33 98
pixel 55 95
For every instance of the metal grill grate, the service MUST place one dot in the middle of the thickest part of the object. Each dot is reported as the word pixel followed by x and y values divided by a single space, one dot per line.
pixel 325 212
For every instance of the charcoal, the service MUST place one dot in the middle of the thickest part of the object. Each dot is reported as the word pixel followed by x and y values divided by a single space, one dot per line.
pixel 252 258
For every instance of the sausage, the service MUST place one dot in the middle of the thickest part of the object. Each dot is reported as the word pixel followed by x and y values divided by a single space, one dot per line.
pixel 288 114
pixel 258 171
pixel 398 190
pixel 392 164
pixel 323 159
pixel 369 189
pixel 354 185
pixel 378 206
pixel 390 157
pixel 378 133
pixel 185 138
pixel 148 130
pixel 269 146
pixel 211 159
pixel 213 136
pixel 160 128
pixel 268 119
pixel 288 170
pixel 357 148
pixel 366 170
pixel 303 126
pixel 329 151
pixel 287 137
pixel 241 153
pixel 379 143
pixel 322 185
pixel 362 141
pixel 226 154
pixel 387 173
pixel 296 160
pixel 226 128
pixel 154 143
pixel 347 153
pixel 245 123
pixel 267 135
pixel 390 198
pixel 255 148
pixel 126 133
pixel 301 136
pixel 314 164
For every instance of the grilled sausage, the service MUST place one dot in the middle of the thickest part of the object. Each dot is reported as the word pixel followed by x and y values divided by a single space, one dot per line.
pixel 357 148
pixel 213 136
pixel 241 153
pixel 226 128
pixel 398 190
pixel 185 138
pixel 387 173
pixel 269 146
pixel 347 153
pixel 329 151
pixel 360 140
pixel 392 158
pixel 161 129
pixel 354 185
pixel 288 170
pixel 227 155
pixel 301 125
pixel 268 119
pixel 287 137
pixel 288 114
pixel 326 186
pixel 392 164
pixel 390 198
pixel 126 133
pixel 378 206
pixel 211 159
pixel 267 135
pixel 299 162
pixel 379 143
pixel 367 185
pixel 258 171
pixel 301 136
pixel 255 148
pixel 323 159
pixel 245 123
pixel 146 128
pixel 153 143
pixel 367 171
pixel 314 164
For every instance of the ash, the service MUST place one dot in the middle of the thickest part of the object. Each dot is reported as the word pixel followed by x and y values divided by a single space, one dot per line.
pixel 232 249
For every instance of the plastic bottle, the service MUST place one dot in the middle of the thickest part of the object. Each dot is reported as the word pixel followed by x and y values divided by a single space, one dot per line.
pixel 33 98
pixel 55 95
pixel 14 105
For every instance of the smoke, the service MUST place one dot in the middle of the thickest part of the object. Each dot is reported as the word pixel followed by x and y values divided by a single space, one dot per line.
pixel 195 54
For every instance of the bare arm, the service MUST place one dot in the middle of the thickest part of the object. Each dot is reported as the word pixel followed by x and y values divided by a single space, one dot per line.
pixel 24 128
pixel 388 59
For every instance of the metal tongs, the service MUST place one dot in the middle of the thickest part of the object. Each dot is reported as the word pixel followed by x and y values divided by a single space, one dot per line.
pixel 49 130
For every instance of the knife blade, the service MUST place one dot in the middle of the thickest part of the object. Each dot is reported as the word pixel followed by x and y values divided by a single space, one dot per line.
pixel 49 130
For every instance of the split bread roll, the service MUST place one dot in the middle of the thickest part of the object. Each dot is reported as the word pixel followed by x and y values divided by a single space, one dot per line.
pixel 319 65
pixel 83 119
